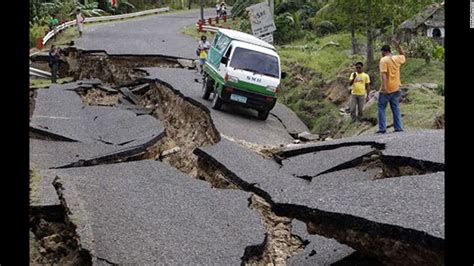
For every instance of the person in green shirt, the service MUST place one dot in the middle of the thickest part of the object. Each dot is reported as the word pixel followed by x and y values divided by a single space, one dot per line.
pixel 360 91
pixel 53 24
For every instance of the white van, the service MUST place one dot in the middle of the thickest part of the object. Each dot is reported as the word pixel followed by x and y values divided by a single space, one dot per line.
pixel 242 69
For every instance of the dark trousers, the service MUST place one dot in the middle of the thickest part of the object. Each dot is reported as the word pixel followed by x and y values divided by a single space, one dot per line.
pixel 54 72
pixel 357 103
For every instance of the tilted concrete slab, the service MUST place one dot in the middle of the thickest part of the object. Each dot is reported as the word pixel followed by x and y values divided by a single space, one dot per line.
pixel 419 144
pixel 46 154
pixel 319 250
pixel 146 212
pixel 312 164
pixel 289 119
pixel 46 194
pixel 63 113
pixel 414 202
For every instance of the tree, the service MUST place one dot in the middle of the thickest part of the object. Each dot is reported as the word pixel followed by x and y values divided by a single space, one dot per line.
pixel 368 15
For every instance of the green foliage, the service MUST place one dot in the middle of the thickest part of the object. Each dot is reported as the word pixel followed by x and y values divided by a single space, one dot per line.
pixel 238 10
pixel 122 7
pixel 89 10
pixel 288 28
pixel 244 26
pixel 37 31
pixel 302 9
pixel 416 70
pixel 438 53
pixel 440 89
pixel 424 47
pixel 325 28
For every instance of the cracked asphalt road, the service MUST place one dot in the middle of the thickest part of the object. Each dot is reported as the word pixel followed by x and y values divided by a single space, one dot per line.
pixel 233 121
pixel 148 212
pixel 415 202
pixel 154 34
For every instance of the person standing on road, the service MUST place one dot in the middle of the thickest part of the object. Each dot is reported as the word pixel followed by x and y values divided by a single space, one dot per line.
pixel 79 21
pixel 360 91
pixel 218 10
pixel 54 55
pixel 390 86
pixel 223 10
pixel 202 51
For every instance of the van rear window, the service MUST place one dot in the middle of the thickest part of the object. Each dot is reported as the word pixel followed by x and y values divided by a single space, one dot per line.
pixel 256 62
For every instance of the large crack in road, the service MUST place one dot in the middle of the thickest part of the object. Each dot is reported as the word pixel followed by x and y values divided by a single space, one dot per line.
pixel 189 127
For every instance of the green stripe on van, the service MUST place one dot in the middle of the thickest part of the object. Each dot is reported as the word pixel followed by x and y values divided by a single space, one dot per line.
pixel 243 85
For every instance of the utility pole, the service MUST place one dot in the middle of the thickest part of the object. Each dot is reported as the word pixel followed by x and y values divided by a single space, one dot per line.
pixel 202 10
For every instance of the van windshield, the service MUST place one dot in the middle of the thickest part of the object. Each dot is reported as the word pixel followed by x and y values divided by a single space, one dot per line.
pixel 256 62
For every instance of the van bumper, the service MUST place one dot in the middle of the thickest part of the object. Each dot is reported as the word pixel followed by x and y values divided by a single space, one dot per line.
pixel 255 101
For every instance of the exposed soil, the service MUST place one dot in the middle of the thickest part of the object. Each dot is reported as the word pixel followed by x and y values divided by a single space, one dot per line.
pixel 98 97
pixel 279 244
pixel 56 238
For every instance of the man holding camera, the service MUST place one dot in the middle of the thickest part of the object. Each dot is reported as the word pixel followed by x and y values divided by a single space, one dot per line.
pixel 54 60
pixel 360 90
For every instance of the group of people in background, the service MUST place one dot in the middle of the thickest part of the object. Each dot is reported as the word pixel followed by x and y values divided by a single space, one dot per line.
pixel 55 52
pixel 221 9
pixel 389 92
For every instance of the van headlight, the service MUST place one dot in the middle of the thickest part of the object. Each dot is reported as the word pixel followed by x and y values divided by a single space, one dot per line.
pixel 231 78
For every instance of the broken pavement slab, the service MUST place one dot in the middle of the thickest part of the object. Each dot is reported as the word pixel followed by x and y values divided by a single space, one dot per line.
pixel 130 96
pixel 319 250
pixel 45 194
pixel 424 144
pixel 62 112
pixel 146 212
pixel 406 209
pixel 310 165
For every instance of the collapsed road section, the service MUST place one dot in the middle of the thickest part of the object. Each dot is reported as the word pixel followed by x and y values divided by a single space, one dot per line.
pixel 396 220
pixel 133 133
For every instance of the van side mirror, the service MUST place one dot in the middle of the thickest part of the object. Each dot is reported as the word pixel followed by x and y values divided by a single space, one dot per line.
pixel 224 60
pixel 283 75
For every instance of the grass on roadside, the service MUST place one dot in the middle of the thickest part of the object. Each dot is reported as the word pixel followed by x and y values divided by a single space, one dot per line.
pixel 420 112
pixel 35 178
pixel 415 70
pixel 328 60
pixel 192 31
pixel 42 82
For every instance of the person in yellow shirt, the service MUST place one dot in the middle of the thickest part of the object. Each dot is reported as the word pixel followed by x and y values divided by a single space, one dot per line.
pixel 360 91
pixel 390 86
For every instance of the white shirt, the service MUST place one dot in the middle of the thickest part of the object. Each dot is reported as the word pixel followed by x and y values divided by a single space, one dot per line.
pixel 204 45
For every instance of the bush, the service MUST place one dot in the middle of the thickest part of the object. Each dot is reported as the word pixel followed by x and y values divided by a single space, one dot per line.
pixel 438 53
pixel 244 26
pixel 440 89
pixel 287 29
pixel 37 31
pixel 324 28
pixel 422 47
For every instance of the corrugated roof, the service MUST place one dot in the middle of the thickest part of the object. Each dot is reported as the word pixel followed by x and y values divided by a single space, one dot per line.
pixel 422 17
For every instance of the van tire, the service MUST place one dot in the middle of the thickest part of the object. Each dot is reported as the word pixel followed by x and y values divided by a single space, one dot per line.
pixel 216 102
pixel 207 85
pixel 263 114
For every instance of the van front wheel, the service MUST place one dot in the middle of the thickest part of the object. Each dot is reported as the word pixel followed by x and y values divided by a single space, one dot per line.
pixel 207 85
pixel 263 115
pixel 216 102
